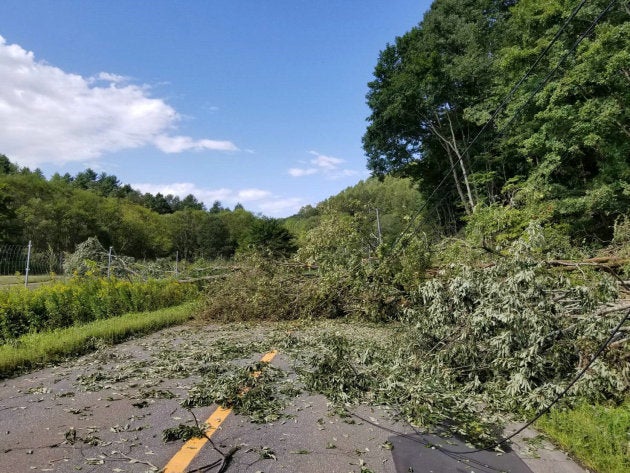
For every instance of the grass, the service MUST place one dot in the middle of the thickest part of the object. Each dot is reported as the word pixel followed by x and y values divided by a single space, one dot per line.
pixel 38 349
pixel 32 279
pixel 597 435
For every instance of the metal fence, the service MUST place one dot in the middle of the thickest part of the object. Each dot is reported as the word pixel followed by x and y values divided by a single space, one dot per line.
pixel 23 261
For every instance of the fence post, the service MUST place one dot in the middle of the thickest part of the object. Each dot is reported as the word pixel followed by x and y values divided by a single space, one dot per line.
pixel 109 261
pixel 176 263
pixel 28 263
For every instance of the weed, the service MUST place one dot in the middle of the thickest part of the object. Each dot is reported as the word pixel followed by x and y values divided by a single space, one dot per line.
pixel 82 300
pixel 41 348
pixel 599 435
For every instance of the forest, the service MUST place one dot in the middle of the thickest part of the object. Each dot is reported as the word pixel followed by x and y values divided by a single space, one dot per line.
pixel 58 213
pixel 499 113
pixel 516 111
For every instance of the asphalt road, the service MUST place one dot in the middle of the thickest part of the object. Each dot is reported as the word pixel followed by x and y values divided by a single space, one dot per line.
pixel 106 412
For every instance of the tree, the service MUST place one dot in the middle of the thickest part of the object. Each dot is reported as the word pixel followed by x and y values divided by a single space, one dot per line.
pixel 424 84
pixel 191 202
pixel 158 203
pixel 132 230
pixel 562 139
pixel 269 237
pixel 85 179
pixel 216 207
pixel 307 218
pixel 106 185
pixel 574 135
pixel 61 221
pixel 216 241
pixel 9 226
pixel 196 234
pixel 238 223
pixel 6 166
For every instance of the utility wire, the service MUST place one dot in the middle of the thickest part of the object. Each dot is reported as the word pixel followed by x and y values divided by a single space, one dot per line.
pixel 625 318
pixel 588 31
pixel 569 386
pixel 505 101
pixel 534 419
pixel 557 398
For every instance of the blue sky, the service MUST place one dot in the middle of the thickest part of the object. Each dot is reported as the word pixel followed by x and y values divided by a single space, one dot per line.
pixel 258 102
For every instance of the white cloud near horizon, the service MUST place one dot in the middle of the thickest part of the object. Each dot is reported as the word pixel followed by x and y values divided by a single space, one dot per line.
pixel 182 189
pixel 299 172
pixel 178 144
pixel 328 166
pixel 52 116
pixel 281 206
pixel 257 200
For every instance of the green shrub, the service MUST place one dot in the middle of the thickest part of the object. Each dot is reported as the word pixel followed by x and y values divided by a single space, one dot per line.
pixel 268 289
pixel 82 300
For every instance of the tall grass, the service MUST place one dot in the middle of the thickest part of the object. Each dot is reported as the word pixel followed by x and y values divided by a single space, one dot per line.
pixel 597 435
pixel 38 349
pixel 82 300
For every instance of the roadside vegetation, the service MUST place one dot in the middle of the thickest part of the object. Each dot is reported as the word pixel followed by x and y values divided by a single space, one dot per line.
pixel 597 434
pixel 72 316
pixel 40 349
pixel 503 258
pixel 83 300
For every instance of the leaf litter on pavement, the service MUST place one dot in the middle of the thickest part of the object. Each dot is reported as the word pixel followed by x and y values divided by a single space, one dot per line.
pixel 349 362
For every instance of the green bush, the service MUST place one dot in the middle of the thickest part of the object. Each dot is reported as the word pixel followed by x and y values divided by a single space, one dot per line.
pixel 517 330
pixel 266 289
pixel 83 300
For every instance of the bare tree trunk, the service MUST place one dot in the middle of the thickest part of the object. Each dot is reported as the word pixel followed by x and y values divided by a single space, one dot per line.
pixel 448 148
pixel 460 158
pixel 456 178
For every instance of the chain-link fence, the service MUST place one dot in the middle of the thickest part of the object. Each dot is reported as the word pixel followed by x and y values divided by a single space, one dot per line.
pixel 21 262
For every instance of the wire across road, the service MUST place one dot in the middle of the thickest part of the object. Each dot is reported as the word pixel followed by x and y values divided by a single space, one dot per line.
pixel 107 411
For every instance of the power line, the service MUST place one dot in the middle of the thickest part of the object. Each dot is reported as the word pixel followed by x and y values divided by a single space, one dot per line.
pixel 626 317
pixel 588 31
pixel 557 398
pixel 540 413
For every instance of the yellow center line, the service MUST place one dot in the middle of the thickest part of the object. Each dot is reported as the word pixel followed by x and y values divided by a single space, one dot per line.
pixel 192 447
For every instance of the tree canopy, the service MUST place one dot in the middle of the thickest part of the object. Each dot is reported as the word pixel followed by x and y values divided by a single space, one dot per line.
pixel 59 213
pixel 567 147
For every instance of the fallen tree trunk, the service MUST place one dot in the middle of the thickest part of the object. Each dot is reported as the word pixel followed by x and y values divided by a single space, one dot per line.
pixel 608 261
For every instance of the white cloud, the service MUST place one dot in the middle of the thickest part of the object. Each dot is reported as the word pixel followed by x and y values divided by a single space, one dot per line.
pixel 177 144
pixel 281 206
pixel 49 115
pixel 182 189
pixel 299 172
pixel 248 195
pixel 109 77
pixel 329 166
pixel 325 162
